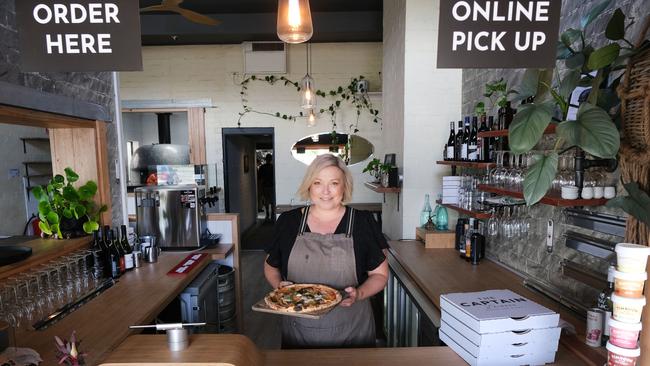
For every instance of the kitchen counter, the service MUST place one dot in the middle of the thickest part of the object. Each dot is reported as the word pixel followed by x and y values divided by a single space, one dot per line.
pixel 102 323
pixel 440 271
pixel 238 350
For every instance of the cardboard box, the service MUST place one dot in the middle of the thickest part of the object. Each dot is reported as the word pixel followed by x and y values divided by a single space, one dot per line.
pixel 496 311
pixel 450 200
pixel 449 192
pixel 547 337
pixel 496 359
pixel 435 239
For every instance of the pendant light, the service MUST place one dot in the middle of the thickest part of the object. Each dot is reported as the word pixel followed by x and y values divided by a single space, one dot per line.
pixel 311 120
pixel 307 85
pixel 294 21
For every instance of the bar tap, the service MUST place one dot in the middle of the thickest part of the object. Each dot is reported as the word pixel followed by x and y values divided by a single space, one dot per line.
pixel 582 164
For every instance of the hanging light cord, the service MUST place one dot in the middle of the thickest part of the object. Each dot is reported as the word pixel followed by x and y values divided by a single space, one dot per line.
pixel 308 49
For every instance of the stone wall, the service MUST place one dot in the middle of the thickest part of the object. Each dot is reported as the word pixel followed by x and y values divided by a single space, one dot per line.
pixel 530 256
pixel 95 88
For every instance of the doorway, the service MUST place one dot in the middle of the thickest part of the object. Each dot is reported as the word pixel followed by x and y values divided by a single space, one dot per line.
pixel 244 151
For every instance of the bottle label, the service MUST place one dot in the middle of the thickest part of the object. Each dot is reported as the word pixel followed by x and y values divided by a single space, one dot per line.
pixel 115 265
pixel 463 151
pixel 472 153
pixel 128 261
pixel 450 152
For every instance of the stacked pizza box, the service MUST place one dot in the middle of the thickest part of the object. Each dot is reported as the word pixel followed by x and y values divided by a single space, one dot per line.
pixel 499 327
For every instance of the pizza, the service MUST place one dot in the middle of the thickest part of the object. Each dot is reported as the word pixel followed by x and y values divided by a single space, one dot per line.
pixel 303 298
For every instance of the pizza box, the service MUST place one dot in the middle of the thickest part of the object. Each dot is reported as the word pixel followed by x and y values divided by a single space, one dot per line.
pixel 498 350
pixel 496 311
pixel 547 336
pixel 494 359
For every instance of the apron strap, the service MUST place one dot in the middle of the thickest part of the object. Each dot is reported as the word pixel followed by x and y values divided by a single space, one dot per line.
pixel 348 232
pixel 303 221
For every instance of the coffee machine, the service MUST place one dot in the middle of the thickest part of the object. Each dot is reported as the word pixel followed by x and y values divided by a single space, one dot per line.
pixel 173 214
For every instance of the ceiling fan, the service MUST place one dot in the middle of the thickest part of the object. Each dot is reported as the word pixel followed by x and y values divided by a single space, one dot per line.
pixel 174 6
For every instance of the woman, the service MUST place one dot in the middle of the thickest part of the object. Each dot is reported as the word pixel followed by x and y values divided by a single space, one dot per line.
pixel 329 243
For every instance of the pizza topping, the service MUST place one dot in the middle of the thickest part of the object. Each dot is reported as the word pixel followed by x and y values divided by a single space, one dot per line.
pixel 303 298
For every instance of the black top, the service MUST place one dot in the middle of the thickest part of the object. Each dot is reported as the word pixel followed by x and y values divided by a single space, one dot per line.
pixel 366 234
pixel 266 176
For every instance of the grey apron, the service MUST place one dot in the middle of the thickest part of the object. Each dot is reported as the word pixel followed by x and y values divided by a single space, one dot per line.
pixel 327 259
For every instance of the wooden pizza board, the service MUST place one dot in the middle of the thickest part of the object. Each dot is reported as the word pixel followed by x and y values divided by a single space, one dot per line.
pixel 263 308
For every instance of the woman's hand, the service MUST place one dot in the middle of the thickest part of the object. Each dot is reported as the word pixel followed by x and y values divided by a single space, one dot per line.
pixel 352 296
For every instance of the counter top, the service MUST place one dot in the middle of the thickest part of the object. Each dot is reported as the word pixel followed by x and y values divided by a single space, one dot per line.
pixel 238 350
pixel 44 250
pixel 440 271
pixel 102 323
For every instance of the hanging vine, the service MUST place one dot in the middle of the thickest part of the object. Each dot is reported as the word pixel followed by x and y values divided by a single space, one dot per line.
pixel 339 96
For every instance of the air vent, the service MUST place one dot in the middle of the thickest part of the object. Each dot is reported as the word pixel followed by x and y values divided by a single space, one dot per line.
pixel 265 57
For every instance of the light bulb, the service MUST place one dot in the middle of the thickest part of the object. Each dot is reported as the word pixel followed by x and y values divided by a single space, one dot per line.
pixel 311 121
pixel 294 21
pixel 307 87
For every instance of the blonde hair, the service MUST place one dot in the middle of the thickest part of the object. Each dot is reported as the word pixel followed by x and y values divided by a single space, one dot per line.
pixel 321 162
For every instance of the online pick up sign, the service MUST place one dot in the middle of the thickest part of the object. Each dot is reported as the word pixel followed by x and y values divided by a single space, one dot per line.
pixel 498 33
pixel 81 35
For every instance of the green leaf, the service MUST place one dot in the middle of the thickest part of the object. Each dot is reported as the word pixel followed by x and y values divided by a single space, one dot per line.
pixel 593 13
pixel 636 203
pixel 71 175
pixel 67 213
pixel 57 229
pixel 593 131
pixel 90 226
pixel 576 61
pixel 616 26
pixel 88 190
pixel 529 84
pixel 539 177
pixel 45 228
pixel 44 207
pixel 569 83
pixel 52 217
pixel 528 126
pixel 569 36
pixel 58 179
pixel 79 210
pixel 603 56
pixel 562 51
pixel 70 194
pixel 39 194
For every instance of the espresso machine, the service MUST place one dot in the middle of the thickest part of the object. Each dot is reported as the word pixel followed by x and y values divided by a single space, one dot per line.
pixel 173 214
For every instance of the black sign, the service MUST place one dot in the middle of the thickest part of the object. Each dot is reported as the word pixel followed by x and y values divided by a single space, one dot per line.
pixel 498 33
pixel 79 35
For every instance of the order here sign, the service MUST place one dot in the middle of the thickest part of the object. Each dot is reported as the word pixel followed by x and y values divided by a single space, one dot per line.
pixel 81 35
pixel 498 33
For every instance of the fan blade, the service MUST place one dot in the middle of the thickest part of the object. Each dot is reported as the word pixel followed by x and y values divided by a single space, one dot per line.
pixel 196 17
pixel 155 8
pixel 171 3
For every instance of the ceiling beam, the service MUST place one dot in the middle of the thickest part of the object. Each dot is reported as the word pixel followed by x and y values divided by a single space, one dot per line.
pixel 236 28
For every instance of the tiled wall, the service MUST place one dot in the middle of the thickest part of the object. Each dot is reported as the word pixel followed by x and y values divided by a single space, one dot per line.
pixel 530 256
pixel 90 87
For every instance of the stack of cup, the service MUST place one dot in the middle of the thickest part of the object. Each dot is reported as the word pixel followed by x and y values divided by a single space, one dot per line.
pixel 627 302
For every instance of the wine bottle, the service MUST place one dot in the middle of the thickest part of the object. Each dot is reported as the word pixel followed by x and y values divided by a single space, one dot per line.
pixel 490 140
pixel 442 217
pixel 114 255
pixel 120 252
pixel 464 147
pixel 128 251
pixel 478 244
pixel 469 230
pixel 459 142
pixel 483 144
pixel 451 142
pixel 425 214
pixel 472 148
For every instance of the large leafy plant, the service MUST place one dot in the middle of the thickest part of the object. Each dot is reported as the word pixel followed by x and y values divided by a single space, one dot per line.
pixel 59 200
pixel 594 128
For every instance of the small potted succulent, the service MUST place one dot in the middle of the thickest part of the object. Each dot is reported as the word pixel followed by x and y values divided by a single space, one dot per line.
pixel 67 351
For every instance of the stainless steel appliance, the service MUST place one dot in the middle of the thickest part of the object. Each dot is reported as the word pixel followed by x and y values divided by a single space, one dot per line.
pixel 173 214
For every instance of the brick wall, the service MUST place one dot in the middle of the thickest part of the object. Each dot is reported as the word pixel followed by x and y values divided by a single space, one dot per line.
pixel 90 87
pixel 530 256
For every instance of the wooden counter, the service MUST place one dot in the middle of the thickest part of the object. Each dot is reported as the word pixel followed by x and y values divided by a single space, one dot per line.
pixel 440 271
pixel 237 350
pixel 44 250
pixel 102 324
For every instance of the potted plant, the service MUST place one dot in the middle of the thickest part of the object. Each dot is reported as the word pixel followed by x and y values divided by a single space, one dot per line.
pixel 65 211
pixel 376 169
pixel 594 129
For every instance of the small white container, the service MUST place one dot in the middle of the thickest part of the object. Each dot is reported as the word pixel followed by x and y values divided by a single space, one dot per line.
pixel 631 258
pixel 626 309
pixel 569 192
pixel 622 356
pixel 609 192
pixel 629 284
pixel 599 192
pixel 587 193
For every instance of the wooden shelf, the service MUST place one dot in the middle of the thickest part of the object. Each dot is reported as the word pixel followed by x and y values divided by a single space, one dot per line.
pixel 498 133
pixel 548 199
pixel 35 138
pixel 37 162
pixel 379 189
pixel 468 164
pixel 474 214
